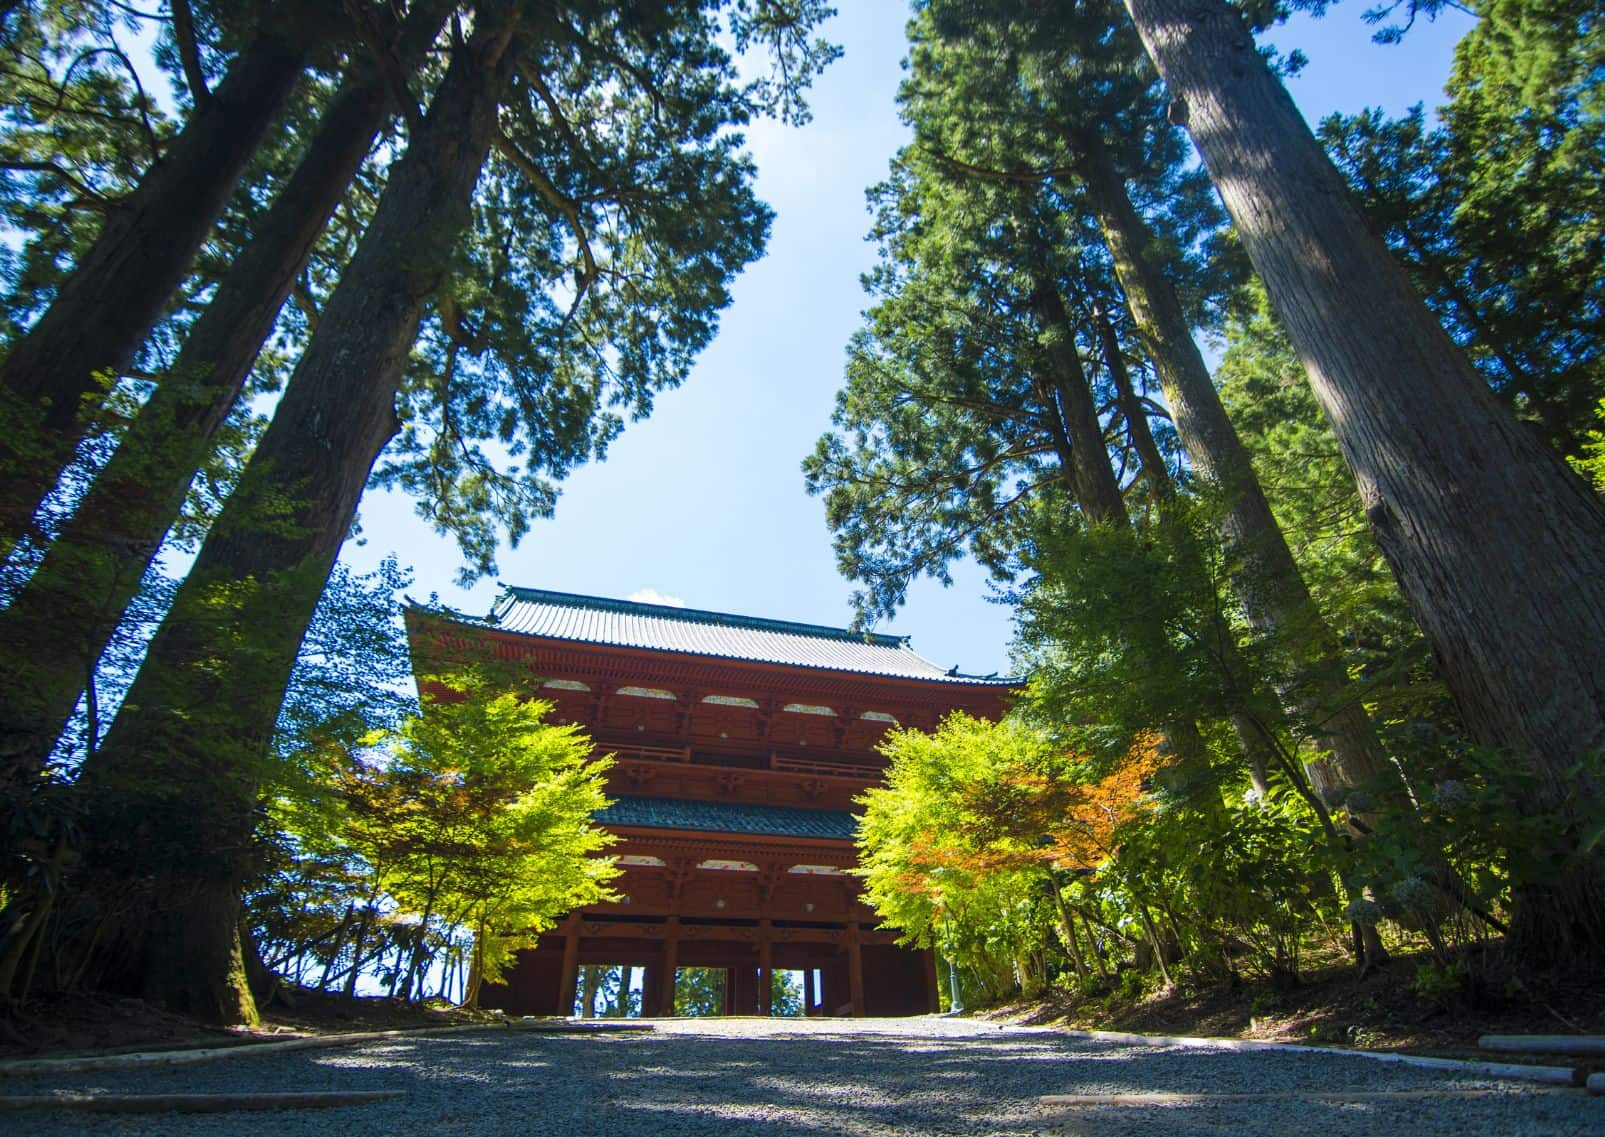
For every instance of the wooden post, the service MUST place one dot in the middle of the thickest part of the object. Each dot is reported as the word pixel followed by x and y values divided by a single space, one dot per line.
pixel 743 998
pixel 652 989
pixel 766 987
pixel 671 964
pixel 933 999
pixel 855 969
pixel 571 969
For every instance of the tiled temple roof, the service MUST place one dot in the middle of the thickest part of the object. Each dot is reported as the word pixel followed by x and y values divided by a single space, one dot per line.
pixel 659 627
pixel 728 817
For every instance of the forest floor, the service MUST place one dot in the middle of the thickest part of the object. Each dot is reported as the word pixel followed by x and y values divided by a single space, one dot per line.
pixel 87 1024
pixel 1407 1006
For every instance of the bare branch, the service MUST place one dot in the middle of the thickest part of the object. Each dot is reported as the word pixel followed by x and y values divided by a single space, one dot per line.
pixel 550 194
pixel 538 84
pixel 1023 176
pixel 382 46
pixel 89 197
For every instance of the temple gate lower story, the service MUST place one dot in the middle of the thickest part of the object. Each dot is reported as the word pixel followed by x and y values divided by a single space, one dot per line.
pixel 740 744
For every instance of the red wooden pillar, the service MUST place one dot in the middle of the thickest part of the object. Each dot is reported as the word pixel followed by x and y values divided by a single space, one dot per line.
pixel 652 988
pixel 933 996
pixel 855 969
pixel 743 998
pixel 766 986
pixel 671 964
pixel 571 966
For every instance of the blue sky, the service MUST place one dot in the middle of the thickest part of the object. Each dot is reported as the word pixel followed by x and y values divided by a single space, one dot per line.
pixel 704 501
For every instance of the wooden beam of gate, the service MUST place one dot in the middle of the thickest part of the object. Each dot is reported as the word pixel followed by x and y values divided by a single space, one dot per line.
pixel 625 930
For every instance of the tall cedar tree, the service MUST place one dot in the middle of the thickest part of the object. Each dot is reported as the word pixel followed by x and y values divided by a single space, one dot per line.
pixel 969 416
pixel 1499 213
pixel 1057 120
pixel 58 624
pixel 1091 114
pixel 174 788
pixel 60 369
pixel 173 795
pixel 1495 542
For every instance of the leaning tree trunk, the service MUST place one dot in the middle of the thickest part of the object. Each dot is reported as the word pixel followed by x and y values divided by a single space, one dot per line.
pixel 1091 478
pixel 1256 716
pixel 58 625
pixel 1248 724
pixel 116 292
pixel 1078 437
pixel 172 792
pixel 1265 578
pixel 1495 543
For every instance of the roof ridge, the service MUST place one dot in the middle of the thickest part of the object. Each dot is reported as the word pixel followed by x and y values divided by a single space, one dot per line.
pixel 693 616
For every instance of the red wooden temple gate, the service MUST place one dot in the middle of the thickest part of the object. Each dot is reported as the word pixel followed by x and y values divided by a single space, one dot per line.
pixel 740 743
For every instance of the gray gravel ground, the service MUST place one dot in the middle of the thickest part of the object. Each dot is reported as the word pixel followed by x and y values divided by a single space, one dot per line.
pixel 790 1078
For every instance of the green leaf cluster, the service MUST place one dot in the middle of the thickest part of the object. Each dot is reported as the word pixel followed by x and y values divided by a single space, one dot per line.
pixel 470 824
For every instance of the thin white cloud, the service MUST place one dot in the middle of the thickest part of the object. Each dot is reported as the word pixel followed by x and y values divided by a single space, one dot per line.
pixel 653 596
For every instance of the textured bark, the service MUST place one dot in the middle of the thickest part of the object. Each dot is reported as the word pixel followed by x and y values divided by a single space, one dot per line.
pixel 1093 481
pixel 1495 544
pixel 57 627
pixel 1265 578
pixel 107 306
pixel 174 788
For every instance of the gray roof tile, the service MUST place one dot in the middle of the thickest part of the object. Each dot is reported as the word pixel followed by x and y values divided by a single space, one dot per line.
pixel 658 627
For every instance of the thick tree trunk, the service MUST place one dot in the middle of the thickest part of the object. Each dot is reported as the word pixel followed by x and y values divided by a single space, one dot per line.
pixel 195 964
pixel 107 306
pixel 1265 578
pixel 55 629
pixel 1495 543
pixel 175 786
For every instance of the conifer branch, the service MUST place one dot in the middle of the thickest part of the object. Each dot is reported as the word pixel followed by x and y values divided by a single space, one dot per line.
pixel 382 47
pixel 570 212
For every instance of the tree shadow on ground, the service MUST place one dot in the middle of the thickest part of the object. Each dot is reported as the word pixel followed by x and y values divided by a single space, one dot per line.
pixel 814 1082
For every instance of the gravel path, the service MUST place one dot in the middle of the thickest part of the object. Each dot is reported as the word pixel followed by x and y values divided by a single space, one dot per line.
pixel 791 1078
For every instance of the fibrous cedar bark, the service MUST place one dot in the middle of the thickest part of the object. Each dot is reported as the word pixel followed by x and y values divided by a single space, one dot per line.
pixel 173 791
pixel 56 627
pixel 114 295
pixel 1496 545
pixel 1265 577
pixel 1091 478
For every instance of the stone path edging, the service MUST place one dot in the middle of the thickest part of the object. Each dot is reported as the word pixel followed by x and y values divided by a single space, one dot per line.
pixel 33 1067
pixel 192 1103
pixel 1549 1075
